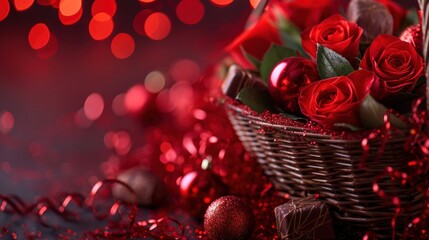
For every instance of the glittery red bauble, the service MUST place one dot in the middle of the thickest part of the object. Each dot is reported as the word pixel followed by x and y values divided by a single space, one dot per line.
pixel 229 217
pixel 413 35
pixel 288 78
pixel 198 189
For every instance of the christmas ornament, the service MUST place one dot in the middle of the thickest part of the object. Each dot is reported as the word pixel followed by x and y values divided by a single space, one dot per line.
pixel 229 217
pixel 287 80
pixel 372 16
pixel 413 35
pixel 199 188
pixel 150 191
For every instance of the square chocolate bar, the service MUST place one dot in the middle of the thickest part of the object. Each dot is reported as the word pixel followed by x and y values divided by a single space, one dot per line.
pixel 238 79
pixel 304 219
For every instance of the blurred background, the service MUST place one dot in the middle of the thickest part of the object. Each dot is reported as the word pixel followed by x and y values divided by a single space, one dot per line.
pixel 56 58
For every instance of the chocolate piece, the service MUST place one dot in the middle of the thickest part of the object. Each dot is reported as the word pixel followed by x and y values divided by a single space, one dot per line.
pixel 149 189
pixel 372 16
pixel 237 79
pixel 304 219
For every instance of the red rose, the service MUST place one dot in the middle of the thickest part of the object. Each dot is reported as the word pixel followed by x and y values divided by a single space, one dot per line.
pixel 306 13
pixel 337 99
pixel 398 13
pixel 254 41
pixel 335 33
pixel 396 65
pixel 288 78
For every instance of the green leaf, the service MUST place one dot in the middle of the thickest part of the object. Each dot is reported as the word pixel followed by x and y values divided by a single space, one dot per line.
pixel 273 56
pixel 349 126
pixel 372 114
pixel 286 26
pixel 289 33
pixel 331 64
pixel 289 41
pixel 412 18
pixel 256 62
pixel 256 98
pixel 292 116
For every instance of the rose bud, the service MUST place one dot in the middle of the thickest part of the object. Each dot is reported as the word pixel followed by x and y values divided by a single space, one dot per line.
pixel 288 78
pixel 414 36
pixel 372 16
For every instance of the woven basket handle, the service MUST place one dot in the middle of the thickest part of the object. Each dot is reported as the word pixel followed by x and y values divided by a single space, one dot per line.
pixel 424 6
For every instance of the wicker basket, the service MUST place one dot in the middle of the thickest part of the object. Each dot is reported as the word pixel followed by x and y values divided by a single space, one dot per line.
pixel 301 163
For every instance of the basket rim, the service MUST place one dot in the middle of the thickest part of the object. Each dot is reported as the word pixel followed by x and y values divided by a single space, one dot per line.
pixel 330 136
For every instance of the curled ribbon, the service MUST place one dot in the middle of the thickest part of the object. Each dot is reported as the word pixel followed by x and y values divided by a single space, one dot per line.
pixel 163 228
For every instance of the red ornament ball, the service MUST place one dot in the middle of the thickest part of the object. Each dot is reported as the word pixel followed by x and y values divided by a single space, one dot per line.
pixel 414 36
pixel 198 189
pixel 288 78
pixel 229 217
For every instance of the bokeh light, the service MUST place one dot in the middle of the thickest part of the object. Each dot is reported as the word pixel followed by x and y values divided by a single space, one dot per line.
pixel 53 3
pixel 81 119
pixel 70 20
pixel 94 106
pixel 118 105
pixel 254 3
pixel 221 3
pixel 163 102
pixel 7 121
pixel 190 11
pixel 136 98
pixel 49 50
pixel 120 141
pixel 106 6
pixel 39 36
pixel 146 1
pixel 139 21
pixel 21 5
pixel 122 46
pixel 154 82
pixel 185 70
pixel 4 9
pixel 101 26
pixel 181 96
pixel 157 26
pixel 70 7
